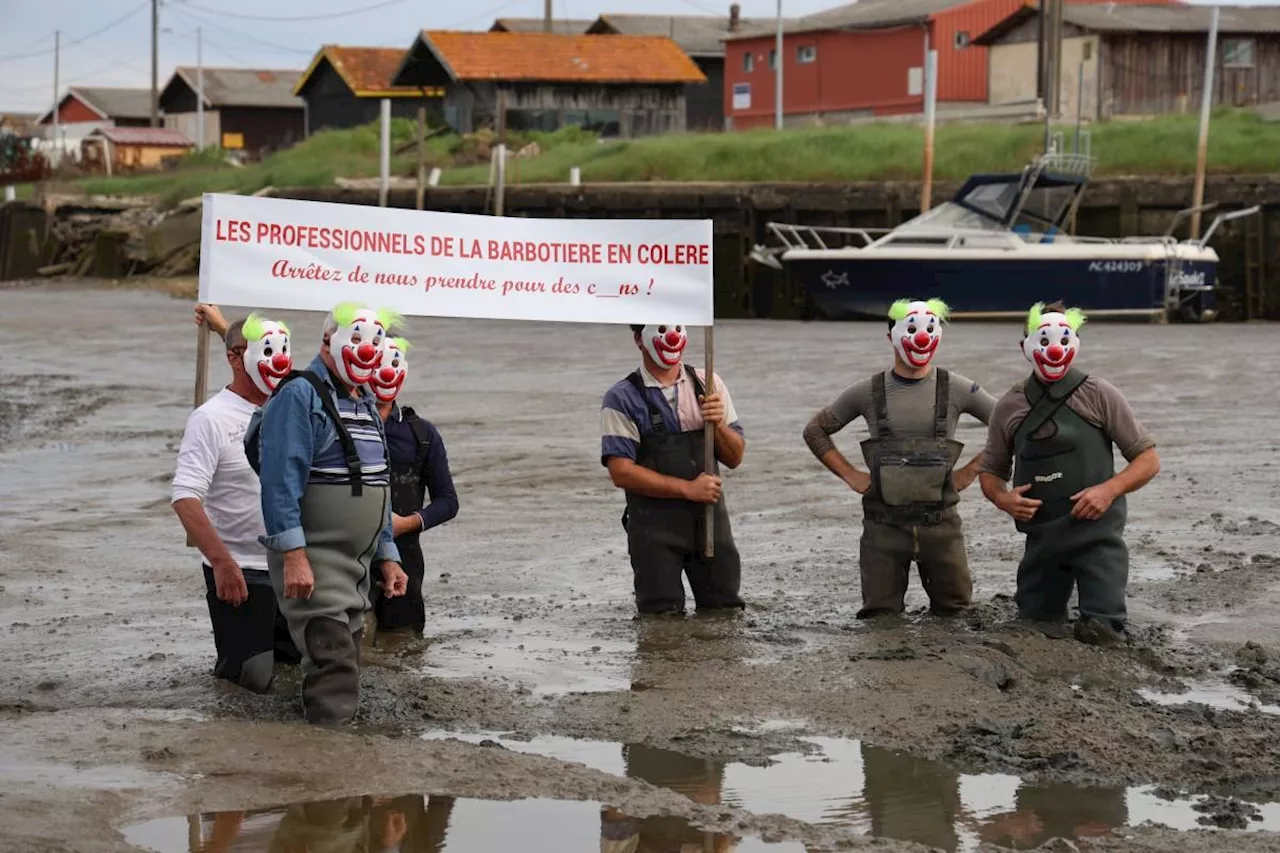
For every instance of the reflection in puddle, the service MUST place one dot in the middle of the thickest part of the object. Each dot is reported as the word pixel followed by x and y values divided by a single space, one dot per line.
pixel 882 793
pixel 1215 694
pixel 418 824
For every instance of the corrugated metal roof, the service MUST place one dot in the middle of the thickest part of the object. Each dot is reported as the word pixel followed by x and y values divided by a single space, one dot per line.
pixel 552 58
pixel 113 102
pixel 244 87
pixel 1127 18
pixel 571 27
pixel 159 136
pixel 862 15
pixel 697 35
pixel 367 71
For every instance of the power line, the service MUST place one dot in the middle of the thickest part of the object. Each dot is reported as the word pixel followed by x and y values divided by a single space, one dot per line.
pixel 192 18
pixel 117 22
pixel 384 4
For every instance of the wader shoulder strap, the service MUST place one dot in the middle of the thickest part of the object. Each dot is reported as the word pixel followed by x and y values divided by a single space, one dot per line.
pixel 354 469
pixel 698 388
pixel 941 404
pixel 1045 406
pixel 655 414
pixel 880 400
pixel 419 433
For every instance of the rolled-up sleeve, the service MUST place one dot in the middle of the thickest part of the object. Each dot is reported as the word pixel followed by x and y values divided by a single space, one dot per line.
pixel 197 458
pixel 387 550
pixel 730 413
pixel 619 434
pixel 286 445
pixel 997 456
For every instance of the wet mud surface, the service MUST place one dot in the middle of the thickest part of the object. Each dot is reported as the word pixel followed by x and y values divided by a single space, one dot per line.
pixel 537 702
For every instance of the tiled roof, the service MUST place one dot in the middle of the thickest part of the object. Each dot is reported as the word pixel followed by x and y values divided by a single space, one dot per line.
pixel 243 87
pixel 563 26
pixel 552 58
pixel 367 71
pixel 1154 18
pixel 697 35
pixel 113 102
pixel 160 136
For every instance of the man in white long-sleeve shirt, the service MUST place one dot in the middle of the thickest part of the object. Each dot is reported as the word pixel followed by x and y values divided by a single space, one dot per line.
pixel 217 498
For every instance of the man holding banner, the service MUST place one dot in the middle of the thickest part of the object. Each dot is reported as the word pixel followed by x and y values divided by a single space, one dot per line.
pixel 321 454
pixel 653 444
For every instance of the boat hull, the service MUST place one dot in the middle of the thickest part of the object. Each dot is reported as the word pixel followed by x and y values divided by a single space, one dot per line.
pixel 864 287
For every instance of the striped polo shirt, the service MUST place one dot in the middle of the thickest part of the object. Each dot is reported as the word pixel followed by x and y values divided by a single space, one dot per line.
pixel 624 415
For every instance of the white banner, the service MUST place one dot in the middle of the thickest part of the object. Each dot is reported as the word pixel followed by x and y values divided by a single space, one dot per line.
pixel 305 255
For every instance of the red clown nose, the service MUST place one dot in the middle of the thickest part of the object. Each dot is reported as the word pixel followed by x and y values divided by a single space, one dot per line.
pixel 387 375
pixel 673 338
pixel 1054 353
pixel 921 340
pixel 366 352
pixel 279 362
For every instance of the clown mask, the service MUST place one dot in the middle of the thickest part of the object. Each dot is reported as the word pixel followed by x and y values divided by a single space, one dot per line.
pixel 664 344
pixel 917 330
pixel 267 358
pixel 388 378
pixel 357 344
pixel 1052 342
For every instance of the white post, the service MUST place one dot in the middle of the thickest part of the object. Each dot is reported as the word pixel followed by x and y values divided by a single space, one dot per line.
pixel 575 176
pixel 1206 107
pixel 930 116
pixel 57 122
pixel 199 90
pixel 433 179
pixel 384 172
pixel 10 193
pixel 777 83
pixel 500 192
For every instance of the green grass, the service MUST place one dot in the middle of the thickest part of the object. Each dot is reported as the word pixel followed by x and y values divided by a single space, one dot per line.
pixel 1239 142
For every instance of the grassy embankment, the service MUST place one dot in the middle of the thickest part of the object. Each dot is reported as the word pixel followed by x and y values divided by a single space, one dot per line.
pixel 1239 142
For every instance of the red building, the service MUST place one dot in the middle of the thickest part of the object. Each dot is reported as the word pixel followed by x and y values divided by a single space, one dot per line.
pixel 864 59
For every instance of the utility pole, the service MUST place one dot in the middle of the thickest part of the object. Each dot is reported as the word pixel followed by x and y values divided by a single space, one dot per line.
pixel 155 63
pixel 546 16
pixel 199 89
pixel 57 101
pixel 1206 111
pixel 777 83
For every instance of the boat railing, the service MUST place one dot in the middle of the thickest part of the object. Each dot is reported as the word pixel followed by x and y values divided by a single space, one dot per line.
pixel 1227 217
pixel 817 236
pixel 1066 162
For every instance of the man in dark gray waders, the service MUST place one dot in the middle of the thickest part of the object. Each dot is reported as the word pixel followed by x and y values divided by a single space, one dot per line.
pixel 1055 431
pixel 419 467
pixel 910 492
pixel 652 442
pixel 326 503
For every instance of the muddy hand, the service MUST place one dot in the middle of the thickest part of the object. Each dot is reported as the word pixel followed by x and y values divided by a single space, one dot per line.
pixel 712 409
pixel 1017 505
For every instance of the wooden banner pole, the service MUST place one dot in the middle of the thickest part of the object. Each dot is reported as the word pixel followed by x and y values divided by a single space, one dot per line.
pixel 709 439
pixel 202 377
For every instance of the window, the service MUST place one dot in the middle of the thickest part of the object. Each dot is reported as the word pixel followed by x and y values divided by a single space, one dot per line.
pixel 1086 51
pixel 773 59
pixel 806 53
pixel 748 62
pixel 1237 53
pixel 962 39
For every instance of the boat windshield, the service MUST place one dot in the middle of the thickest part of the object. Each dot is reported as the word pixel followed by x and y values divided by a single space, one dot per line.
pixel 1002 199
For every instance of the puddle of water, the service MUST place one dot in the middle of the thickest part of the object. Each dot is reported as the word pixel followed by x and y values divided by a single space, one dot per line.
pixel 883 793
pixel 1215 694
pixel 433 825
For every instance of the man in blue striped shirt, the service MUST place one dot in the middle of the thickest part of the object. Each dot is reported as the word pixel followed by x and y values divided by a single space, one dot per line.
pixel 652 442
pixel 326 504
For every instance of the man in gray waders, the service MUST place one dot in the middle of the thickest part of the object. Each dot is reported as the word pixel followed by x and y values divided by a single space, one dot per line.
pixel 321 454
pixel 652 443
pixel 910 492
pixel 1055 431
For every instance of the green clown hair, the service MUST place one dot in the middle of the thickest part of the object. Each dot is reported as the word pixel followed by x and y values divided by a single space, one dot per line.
pixel 401 344
pixel 1075 318
pixel 900 309
pixel 344 314
pixel 255 327
pixel 389 318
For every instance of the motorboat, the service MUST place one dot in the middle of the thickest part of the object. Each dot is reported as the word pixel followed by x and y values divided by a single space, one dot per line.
pixel 999 245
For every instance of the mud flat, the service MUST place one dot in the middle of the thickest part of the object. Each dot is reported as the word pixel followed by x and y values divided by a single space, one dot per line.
pixel 538 713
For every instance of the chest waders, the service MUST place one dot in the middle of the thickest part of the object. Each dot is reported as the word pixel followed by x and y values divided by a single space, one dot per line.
pixel 342 523
pixel 1060 453
pixel 909 513
pixel 665 536
pixel 408 495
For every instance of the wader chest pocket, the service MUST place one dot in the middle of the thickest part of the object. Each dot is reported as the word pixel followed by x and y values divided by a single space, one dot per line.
pixel 912 477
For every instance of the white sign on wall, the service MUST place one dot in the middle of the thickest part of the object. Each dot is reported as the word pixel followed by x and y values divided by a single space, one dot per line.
pixel 304 255
pixel 915 82
pixel 742 96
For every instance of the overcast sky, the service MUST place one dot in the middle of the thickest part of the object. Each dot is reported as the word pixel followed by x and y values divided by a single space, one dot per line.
pixel 107 42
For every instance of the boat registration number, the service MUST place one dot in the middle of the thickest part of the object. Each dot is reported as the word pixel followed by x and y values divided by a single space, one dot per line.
pixel 1117 266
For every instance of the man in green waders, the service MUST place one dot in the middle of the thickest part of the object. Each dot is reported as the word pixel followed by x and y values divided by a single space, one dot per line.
pixel 1055 432
pixel 910 492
